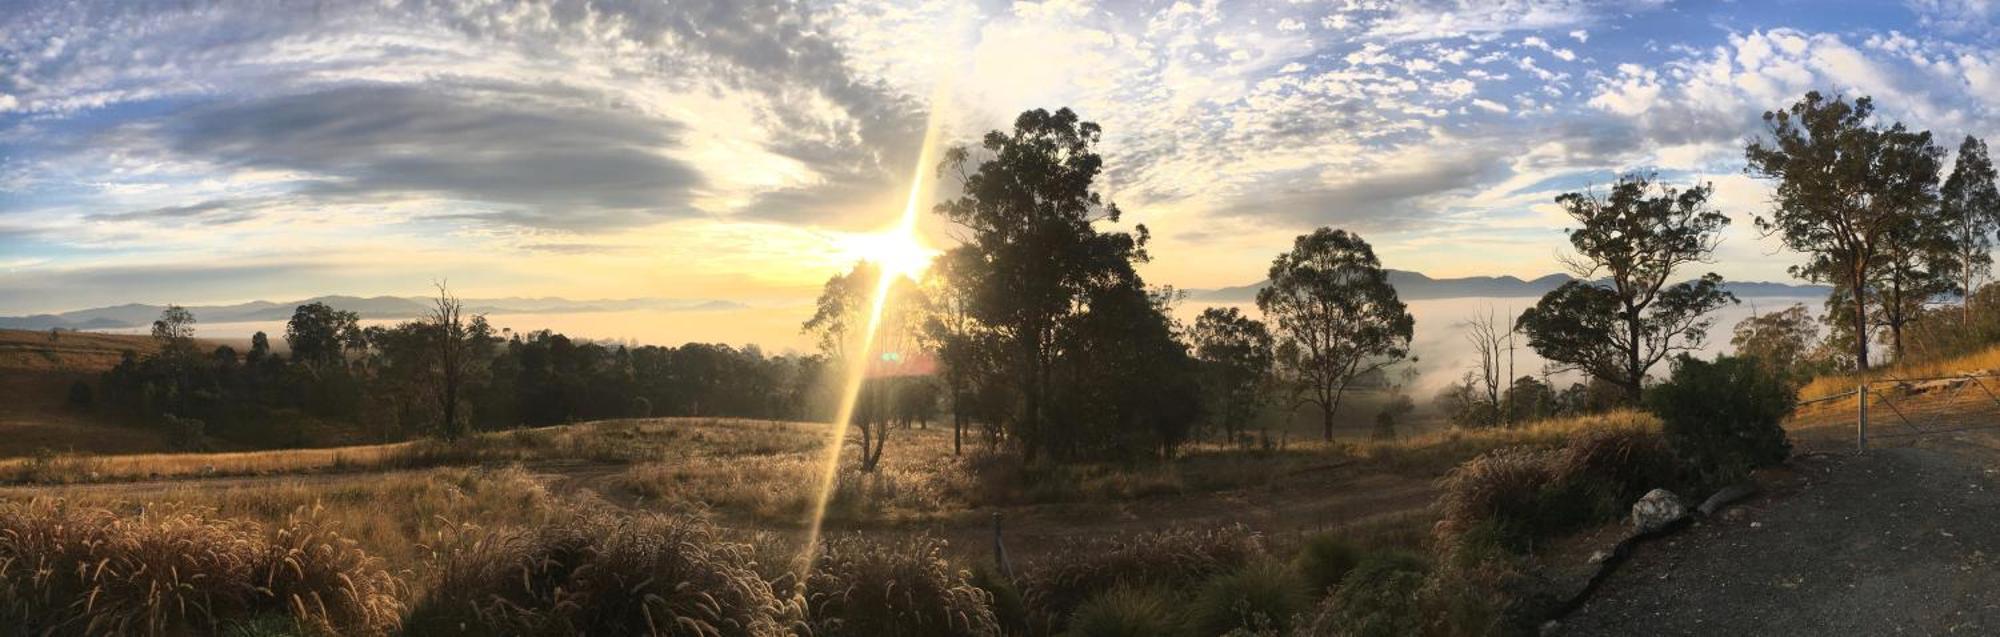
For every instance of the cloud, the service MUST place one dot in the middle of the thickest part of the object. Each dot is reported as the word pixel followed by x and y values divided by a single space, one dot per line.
pixel 550 165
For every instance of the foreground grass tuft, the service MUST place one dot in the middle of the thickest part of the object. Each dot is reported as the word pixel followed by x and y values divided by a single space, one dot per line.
pixel 72 569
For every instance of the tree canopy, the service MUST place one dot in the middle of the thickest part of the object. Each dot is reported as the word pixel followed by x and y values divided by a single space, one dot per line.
pixel 1844 184
pixel 1337 317
pixel 1625 313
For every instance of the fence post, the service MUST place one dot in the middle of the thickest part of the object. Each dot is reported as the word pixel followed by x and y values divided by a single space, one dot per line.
pixel 1861 420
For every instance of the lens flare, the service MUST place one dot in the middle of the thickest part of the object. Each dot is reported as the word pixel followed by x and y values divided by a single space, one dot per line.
pixel 899 253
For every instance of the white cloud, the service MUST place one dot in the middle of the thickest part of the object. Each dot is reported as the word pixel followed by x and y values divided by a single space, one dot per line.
pixel 1490 106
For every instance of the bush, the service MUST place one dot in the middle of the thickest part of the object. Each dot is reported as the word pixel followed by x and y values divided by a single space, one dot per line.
pixel 1723 419
pixel 1518 496
pixel 70 569
pixel 1324 560
pixel 80 395
pixel 1008 606
pixel 598 573
pixel 1260 598
pixel 1055 586
pixel 1126 611
pixel 863 588
pixel 1380 597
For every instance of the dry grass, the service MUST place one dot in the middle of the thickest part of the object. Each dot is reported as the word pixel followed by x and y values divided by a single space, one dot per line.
pixel 70 569
pixel 390 515
pixel 609 442
pixel 1982 362
pixel 593 572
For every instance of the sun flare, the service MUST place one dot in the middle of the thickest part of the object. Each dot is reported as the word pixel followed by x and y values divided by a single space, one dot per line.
pixel 899 251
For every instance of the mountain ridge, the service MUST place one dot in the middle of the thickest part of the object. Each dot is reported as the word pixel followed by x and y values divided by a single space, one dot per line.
pixel 129 315
pixel 1412 286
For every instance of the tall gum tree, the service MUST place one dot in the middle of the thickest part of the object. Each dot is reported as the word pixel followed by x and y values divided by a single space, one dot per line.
pixel 1032 253
pixel 1843 185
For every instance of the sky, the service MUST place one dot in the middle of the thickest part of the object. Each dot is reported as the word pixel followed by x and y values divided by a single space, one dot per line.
pixel 203 152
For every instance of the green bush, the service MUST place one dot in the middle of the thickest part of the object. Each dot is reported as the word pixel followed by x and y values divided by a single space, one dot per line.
pixel 1380 597
pixel 1324 560
pixel 1723 419
pixel 1126 611
pixel 1260 598
pixel 865 588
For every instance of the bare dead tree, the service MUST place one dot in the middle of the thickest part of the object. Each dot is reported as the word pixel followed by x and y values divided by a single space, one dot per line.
pixel 447 322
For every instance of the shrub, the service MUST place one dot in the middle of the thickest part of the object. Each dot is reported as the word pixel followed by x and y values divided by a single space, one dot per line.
pixel 1380 597
pixel 1055 586
pixel 862 587
pixel 70 569
pixel 1518 496
pixel 1722 419
pixel 600 574
pixel 80 395
pixel 1259 598
pixel 1008 606
pixel 1126 611
pixel 1324 560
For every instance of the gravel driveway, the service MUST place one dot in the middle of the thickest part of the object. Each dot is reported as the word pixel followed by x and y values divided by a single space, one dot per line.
pixel 1902 540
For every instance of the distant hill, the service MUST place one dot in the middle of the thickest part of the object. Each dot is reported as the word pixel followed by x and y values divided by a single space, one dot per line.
pixel 374 307
pixel 1416 286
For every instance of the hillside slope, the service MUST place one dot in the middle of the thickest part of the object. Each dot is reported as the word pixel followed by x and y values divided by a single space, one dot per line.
pixel 36 373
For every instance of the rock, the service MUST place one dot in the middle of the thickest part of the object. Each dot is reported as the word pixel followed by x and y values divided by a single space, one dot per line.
pixel 1598 557
pixel 1658 509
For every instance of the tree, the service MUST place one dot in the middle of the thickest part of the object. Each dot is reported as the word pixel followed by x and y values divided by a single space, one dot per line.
pixel 843 302
pixel 1919 265
pixel 1393 411
pixel 1489 336
pixel 454 342
pixel 1782 342
pixel 1236 354
pixel 175 331
pixel 963 348
pixel 319 336
pixel 1637 238
pixel 1033 253
pixel 1970 202
pixel 1844 185
pixel 1338 318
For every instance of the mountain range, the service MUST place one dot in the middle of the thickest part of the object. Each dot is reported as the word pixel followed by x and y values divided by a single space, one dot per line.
pixel 375 307
pixel 1415 286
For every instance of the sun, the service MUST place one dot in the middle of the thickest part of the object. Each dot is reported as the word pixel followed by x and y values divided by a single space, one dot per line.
pixel 897 250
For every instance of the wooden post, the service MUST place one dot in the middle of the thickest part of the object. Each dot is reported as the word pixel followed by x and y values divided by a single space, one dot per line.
pixel 1861 418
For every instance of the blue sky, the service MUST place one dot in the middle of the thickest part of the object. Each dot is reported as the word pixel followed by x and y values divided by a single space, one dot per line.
pixel 224 151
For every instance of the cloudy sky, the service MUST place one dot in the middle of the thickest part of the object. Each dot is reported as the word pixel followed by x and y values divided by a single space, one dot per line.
pixel 195 152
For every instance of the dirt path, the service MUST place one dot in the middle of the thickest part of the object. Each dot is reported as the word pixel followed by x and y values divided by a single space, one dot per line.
pixel 1902 540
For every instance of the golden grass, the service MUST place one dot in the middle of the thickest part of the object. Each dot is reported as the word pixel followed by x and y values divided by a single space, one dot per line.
pixel 609 442
pixel 1984 361
pixel 391 515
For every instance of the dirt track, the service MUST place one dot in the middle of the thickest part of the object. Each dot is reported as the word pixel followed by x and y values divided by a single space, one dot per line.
pixel 1902 540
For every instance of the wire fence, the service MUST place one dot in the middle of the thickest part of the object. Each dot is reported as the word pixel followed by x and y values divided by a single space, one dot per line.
pixel 1920 406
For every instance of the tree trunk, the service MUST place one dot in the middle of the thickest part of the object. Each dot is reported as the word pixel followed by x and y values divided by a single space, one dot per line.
pixel 1635 370
pixel 957 424
pixel 1326 408
pixel 1857 285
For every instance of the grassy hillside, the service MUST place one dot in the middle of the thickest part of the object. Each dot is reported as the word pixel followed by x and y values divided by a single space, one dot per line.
pixel 35 375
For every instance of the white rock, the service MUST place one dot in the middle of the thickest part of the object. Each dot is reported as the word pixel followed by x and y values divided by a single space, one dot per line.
pixel 1656 510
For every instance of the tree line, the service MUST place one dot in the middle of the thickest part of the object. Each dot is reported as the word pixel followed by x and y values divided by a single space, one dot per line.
pixel 1864 202
pixel 444 375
